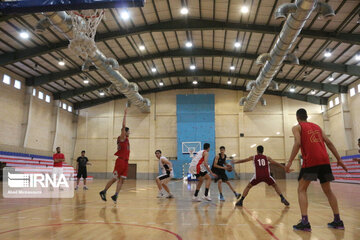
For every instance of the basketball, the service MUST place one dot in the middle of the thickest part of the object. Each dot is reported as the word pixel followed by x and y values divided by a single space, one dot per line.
pixel 229 168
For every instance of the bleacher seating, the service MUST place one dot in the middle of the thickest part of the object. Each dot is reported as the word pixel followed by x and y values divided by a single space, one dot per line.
pixel 353 174
pixel 31 163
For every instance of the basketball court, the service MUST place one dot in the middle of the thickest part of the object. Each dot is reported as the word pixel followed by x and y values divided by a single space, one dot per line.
pixel 105 104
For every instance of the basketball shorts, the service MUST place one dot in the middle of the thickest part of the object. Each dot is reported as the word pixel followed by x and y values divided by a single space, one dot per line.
pixel 269 180
pixel 221 174
pixel 57 171
pixel 321 172
pixel 82 173
pixel 121 168
pixel 197 170
pixel 165 178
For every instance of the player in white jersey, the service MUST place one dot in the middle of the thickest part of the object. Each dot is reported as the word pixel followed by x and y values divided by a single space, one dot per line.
pixel 165 177
pixel 199 167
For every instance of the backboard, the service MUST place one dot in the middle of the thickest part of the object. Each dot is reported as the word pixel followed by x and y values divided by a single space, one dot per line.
pixel 33 6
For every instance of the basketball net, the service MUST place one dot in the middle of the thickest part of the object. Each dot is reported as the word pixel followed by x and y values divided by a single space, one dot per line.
pixel 85 23
pixel 191 152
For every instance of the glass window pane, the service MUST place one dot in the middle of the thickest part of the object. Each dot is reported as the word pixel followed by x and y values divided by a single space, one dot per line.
pixel 331 104
pixel 47 98
pixel 352 92
pixel 41 95
pixel 17 84
pixel 6 79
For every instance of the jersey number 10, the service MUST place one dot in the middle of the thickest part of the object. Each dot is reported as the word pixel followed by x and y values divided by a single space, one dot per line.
pixel 261 162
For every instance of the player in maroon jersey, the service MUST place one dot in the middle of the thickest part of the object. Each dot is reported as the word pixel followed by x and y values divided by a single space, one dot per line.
pixel 316 165
pixel 262 174
pixel 122 162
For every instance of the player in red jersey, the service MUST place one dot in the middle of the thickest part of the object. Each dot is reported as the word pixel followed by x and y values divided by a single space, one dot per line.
pixel 262 174
pixel 316 165
pixel 122 162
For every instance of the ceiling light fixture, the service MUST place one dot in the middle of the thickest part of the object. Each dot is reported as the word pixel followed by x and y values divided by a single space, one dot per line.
pixel 61 62
pixel 327 53
pixel 24 35
pixel 237 44
pixel 188 44
pixel 331 78
pixel 86 80
pixel 153 69
pixel 184 11
pixel 142 47
pixel 161 84
pixel 125 15
pixel 102 93
pixel 292 89
pixel 244 9
pixel 313 92
pixel 195 82
pixel 229 82
pixel 192 67
pixel 232 67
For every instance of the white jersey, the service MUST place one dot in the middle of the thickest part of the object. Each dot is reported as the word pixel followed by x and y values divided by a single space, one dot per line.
pixel 197 164
pixel 162 167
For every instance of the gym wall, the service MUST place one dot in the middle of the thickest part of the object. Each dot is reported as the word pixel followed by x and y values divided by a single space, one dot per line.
pixel 99 126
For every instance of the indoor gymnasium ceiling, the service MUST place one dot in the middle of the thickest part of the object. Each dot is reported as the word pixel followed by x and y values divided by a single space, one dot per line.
pixel 213 28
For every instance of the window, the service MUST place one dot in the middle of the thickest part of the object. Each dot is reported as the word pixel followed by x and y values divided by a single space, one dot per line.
pixel 64 106
pixel 17 84
pixel 60 104
pixel 47 98
pixel 34 92
pixel 41 95
pixel 337 101
pixel 70 108
pixel 6 79
pixel 352 92
pixel 331 104
pixel 358 88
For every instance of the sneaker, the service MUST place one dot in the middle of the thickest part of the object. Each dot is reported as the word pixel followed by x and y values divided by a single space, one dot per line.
pixel 221 198
pixel 103 195
pixel 196 199
pixel 76 188
pixel 170 195
pixel 114 198
pixel 237 195
pixel 303 227
pixel 239 203
pixel 85 188
pixel 207 198
pixel 336 225
pixel 284 201
pixel 160 195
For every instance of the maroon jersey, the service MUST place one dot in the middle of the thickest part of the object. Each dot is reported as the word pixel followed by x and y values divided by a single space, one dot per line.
pixel 312 145
pixel 123 151
pixel 261 164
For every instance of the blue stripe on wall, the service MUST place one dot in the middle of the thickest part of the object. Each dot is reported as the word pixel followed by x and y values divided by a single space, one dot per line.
pixel 195 123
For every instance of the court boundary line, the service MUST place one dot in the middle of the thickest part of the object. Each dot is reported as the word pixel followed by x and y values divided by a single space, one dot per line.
pixel 178 237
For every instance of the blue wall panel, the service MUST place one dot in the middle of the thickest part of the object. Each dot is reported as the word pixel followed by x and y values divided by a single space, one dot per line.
pixel 195 123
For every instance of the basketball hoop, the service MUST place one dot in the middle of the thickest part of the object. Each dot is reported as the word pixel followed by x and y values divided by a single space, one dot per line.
pixel 191 152
pixel 85 23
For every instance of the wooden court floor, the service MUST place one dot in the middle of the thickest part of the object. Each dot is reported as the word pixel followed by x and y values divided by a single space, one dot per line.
pixel 140 215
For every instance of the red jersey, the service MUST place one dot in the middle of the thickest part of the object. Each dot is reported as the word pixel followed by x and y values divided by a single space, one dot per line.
pixel 58 156
pixel 261 165
pixel 123 151
pixel 312 145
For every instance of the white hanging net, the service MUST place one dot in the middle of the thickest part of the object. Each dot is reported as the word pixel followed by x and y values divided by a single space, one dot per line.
pixel 85 23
